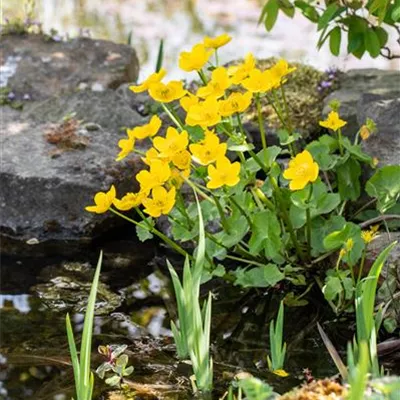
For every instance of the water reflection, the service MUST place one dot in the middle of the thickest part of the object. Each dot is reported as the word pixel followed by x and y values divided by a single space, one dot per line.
pixel 183 22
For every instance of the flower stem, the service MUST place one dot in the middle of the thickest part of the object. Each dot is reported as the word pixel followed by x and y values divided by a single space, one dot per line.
pixel 308 222
pixel 222 215
pixel 202 76
pixel 261 122
pixel 364 254
pixel 286 218
pixel 173 116
pixel 340 141
pixel 147 225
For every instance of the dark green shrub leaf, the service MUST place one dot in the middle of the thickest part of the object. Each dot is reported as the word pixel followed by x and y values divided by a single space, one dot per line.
pixel 271 14
pixel 372 43
pixel 307 10
pixel 327 15
pixel 335 38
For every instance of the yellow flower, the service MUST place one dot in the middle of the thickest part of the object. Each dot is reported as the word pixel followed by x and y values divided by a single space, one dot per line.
pixel 159 173
pixel 103 201
pixel 173 143
pixel 161 203
pixel 281 69
pixel 165 93
pixel 181 159
pixel 130 200
pixel 375 162
pixel 333 122
pixel 151 155
pixel 153 78
pixel 195 59
pixel 217 42
pixel 217 85
pixel 280 372
pixel 240 72
pixel 302 170
pixel 225 173
pixel 260 81
pixel 178 177
pixel 368 129
pixel 235 103
pixel 369 236
pixel 126 146
pixel 188 101
pixel 148 130
pixel 209 150
pixel 349 244
pixel 342 253
pixel 204 114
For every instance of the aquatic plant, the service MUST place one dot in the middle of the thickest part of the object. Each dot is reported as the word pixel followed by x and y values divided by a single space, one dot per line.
pixel 277 346
pixel 277 222
pixel 84 378
pixel 367 326
pixel 192 332
pixel 115 368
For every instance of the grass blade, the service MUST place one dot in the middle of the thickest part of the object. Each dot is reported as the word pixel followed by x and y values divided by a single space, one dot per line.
pixel 72 351
pixel 160 55
pixel 333 353
pixel 86 346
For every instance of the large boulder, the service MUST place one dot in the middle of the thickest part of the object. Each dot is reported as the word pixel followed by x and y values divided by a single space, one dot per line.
pixel 60 149
pixel 38 67
pixel 371 93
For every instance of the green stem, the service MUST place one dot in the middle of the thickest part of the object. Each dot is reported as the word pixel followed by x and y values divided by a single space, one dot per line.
pixel 153 230
pixel 308 223
pixel 292 146
pixel 216 58
pixel 340 141
pixel 198 190
pixel 245 261
pixel 286 218
pixel 239 207
pixel 173 116
pixel 182 209
pixel 222 215
pixel 202 76
pixel 258 161
pixel 364 254
pixel 261 122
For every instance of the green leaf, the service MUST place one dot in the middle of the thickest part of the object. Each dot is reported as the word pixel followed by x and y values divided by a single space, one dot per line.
pixel 348 177
pixel 143 232
pixel 382 36
pixel 335 38
pixel 160 55
pixel 267 157
pixel 285 138
pixel 307 10
pixel 287 8
pixel 264 276
pixel 327 15
pixel 241 147
pixel 85 380
pixel 333 288
pixel 320 228
pixel 385 186
pixel 372 43
pixel 266 234
pixel 396 12
pixel 271 14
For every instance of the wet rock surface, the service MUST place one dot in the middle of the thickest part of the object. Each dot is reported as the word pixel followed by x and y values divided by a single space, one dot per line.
pixel 59 147
pixel 375 94
pixel 45 68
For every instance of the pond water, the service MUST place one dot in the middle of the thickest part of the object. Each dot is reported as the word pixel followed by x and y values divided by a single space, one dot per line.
pixel 34 359
pixel 181 23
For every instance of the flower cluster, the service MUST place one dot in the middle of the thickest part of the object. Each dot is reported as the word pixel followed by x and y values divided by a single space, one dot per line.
pixel 172 157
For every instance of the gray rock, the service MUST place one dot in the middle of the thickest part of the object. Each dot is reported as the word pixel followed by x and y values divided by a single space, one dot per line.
pixel 385 144
pixel 43 68
pixel 381 242
pixel 107 109
pixel 374 94
pixel 45 186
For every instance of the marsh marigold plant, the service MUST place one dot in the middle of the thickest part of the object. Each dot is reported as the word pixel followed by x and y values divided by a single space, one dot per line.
pixel 274 209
